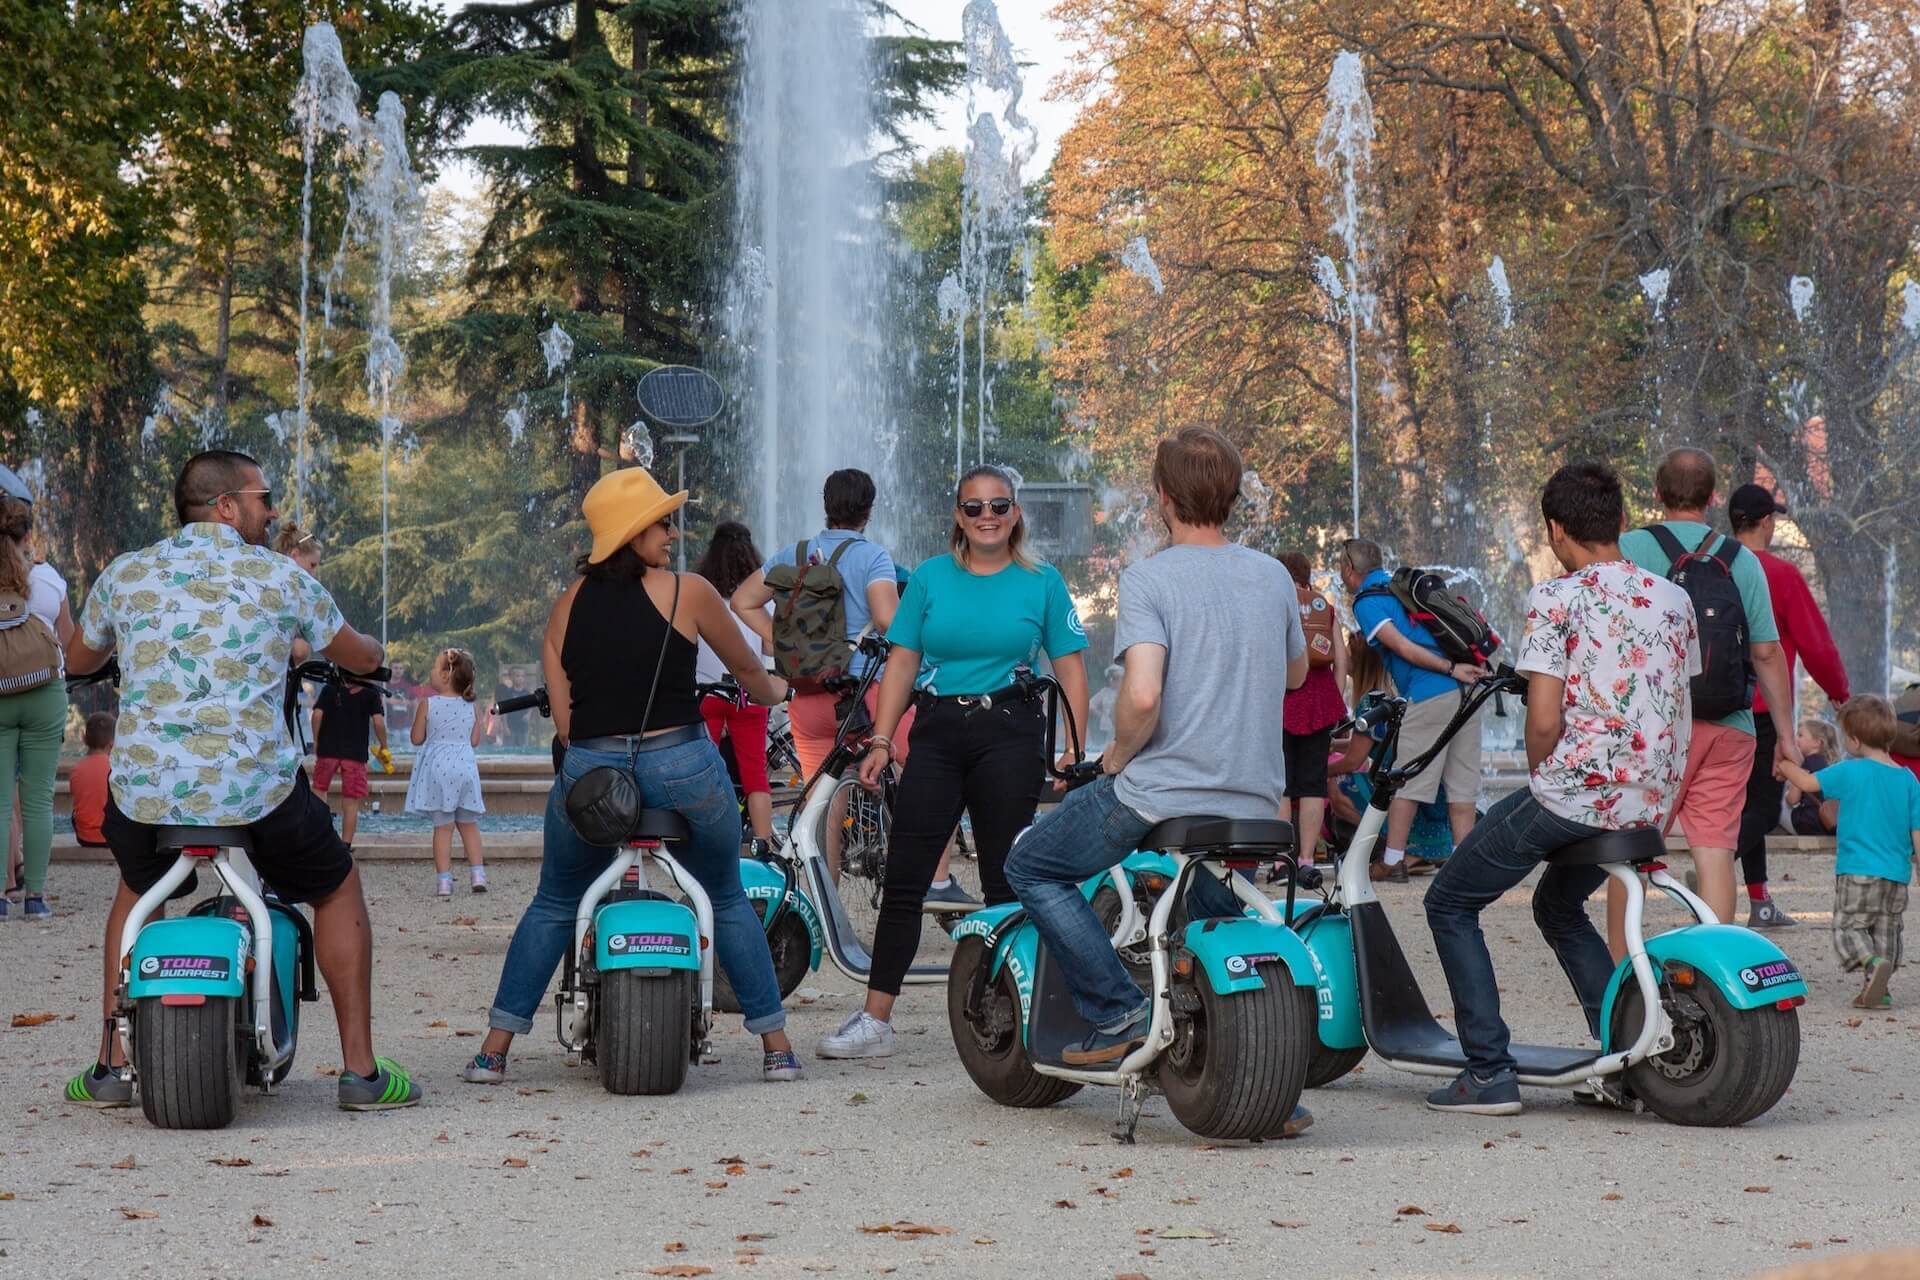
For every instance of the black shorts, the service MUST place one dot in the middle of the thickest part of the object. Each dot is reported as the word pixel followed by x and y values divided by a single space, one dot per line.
pixel 295 848
pixel 1306 755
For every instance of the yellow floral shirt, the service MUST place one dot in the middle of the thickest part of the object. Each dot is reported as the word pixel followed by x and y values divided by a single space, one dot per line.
pixel 204 623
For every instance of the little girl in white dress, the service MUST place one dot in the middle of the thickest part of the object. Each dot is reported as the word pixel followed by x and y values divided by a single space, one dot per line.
pixel 446 776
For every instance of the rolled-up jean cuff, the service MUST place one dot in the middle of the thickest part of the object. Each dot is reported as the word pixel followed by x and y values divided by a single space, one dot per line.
pixel 500 1020
pixel 1145 1010
pixel 775 1021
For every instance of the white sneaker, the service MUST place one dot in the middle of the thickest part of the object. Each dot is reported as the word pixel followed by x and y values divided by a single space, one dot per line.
pixel 443 884
pixel 860 1036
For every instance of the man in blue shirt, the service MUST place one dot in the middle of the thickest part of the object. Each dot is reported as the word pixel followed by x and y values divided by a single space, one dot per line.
pixel 1432 684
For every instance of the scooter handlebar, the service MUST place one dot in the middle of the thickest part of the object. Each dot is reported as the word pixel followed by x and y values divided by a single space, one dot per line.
pixel 535 701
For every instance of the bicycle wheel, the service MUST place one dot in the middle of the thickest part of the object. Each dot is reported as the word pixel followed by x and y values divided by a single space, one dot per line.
pixel 864 824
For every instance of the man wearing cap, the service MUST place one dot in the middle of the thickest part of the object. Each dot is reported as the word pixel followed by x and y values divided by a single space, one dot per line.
pixel 1803 635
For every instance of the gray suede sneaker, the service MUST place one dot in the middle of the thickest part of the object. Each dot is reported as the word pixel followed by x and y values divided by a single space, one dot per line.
pixel 1765 915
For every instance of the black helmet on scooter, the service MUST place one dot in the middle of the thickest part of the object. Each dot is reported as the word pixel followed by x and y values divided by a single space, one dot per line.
pixel 604 806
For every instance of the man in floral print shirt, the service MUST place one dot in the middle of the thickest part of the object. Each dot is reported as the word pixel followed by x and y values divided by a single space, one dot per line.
pixel 204 622
pixel 1608 652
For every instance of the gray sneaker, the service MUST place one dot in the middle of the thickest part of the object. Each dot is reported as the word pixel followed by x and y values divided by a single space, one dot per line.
pixel 1765 915
pixel 860 1036
pixel 1498 1095
pixel 949 900
pixel 92 1089
pixel 389 1087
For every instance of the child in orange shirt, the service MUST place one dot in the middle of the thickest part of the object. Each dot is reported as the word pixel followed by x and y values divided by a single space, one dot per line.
pixel 88 781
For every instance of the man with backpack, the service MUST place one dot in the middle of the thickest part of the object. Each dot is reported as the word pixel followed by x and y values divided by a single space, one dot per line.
pixel 1804 637
pixel 1433 683
pixel 1739 648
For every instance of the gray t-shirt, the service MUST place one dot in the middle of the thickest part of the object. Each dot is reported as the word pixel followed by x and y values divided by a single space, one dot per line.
pixel 1230 621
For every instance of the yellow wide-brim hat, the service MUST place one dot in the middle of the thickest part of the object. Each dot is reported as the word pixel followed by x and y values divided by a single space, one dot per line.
pixel 620 505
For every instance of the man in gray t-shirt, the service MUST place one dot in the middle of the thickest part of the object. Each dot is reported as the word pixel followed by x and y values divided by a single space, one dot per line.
pixel 1209 637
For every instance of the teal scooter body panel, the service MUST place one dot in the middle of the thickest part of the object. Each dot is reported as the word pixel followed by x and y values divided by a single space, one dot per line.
pixel 645 933
pixel 1749 969
pixel 193 955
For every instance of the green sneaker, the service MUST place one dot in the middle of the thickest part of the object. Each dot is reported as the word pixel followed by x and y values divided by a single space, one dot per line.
pixel 93 1088
pixel 389 1088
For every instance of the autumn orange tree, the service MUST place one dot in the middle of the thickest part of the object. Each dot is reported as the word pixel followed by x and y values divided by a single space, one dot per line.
pixel 1588 143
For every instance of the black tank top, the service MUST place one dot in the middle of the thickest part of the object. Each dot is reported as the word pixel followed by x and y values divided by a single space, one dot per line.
pixel 612 642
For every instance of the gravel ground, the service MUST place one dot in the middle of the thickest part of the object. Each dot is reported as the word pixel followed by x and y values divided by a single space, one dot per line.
pixel 865 1169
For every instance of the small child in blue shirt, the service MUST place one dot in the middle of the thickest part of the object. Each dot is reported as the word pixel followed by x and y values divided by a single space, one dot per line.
pixel 1878 841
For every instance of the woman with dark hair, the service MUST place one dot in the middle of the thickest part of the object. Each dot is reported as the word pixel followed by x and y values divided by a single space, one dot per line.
pixel 1310 712
pixel 966 622
pixel 730 560
pixel 618 655
pixel 33 720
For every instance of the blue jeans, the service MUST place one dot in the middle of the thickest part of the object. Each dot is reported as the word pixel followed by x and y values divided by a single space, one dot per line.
pixel 1503 849
pixel 690 780
pixel 1089 832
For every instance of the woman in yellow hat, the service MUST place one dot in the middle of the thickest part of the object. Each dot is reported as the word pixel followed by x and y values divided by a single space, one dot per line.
pixel 619 659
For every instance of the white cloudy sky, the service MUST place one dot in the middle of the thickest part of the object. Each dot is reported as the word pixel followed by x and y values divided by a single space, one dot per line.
pixel 1037 40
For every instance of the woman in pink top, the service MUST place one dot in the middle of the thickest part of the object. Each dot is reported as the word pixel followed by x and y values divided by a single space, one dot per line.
pixel 1312 710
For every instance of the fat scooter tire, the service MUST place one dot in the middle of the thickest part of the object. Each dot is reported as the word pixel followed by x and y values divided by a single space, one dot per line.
pixel 1325 1065
pixel 1245 1059
pixel 187 1059
pixel 1000 1068
pixel 1745 1059
pixel 791 948
pixel 643 1038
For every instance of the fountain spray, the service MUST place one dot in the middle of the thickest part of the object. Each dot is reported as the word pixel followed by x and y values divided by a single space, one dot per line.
pixel 1345 145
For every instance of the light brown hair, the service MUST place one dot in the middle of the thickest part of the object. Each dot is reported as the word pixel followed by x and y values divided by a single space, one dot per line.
pixel 460 671
pixel 16 523
pixel 1868 719
pixel 292 538
pixel 1199 471
pixel 1366 670
pixel 1016 541
pixel 1298 565
pixel 1685 479
pixel 1823 732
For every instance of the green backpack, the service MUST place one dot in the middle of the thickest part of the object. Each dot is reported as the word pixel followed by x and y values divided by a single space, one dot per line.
pixel 810 644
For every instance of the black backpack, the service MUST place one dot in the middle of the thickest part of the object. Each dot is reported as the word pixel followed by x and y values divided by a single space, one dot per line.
pixel 1458 629
pixel 1725 683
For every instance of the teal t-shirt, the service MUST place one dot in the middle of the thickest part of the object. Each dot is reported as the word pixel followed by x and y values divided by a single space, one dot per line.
pixel 972 631
pixel 1879 812
pixel 1749 577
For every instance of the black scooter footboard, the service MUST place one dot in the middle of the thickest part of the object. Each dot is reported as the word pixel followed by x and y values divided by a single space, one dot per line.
pixel 1393 1008
pixel 1056 1025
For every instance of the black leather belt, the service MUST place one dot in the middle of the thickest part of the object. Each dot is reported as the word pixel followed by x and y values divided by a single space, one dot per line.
pixel 630 743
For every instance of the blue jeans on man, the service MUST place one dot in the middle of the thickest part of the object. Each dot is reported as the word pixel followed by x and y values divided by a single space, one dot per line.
pixel 1090 831
pixel 691 780
pixel 1505 846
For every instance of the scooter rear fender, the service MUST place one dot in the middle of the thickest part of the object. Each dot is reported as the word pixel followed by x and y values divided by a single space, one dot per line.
pixel 645 933
pixel 192 955
pixel 1747 967
pixel 1230 949
pixel 762 884
pixel 1329 942
pixel 1017 953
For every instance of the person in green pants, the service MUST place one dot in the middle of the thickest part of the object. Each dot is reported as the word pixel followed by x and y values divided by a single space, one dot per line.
pixel 32 722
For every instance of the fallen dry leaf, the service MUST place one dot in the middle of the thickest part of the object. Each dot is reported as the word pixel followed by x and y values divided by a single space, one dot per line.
pixel 127 1212
pixel 904 1229
pixel 6 1195
pixel 747 1237
pixel 262 1220
pixel 1444 1228
pixel 513 1162
pixel 1411 1211
pixel 1123 1173
pixel 438 1022
pixel 465 920
pixel 126 1163
pixel 735 1170
pixel 674 1246
pixel 1130 1275
pixel 1613 1195
pixel 1288 1226
pixel 1187 1233
pixel 1801 1244
pixel 1064 1204
pixel 718 1186
pixel 33 1019
pixel 681 1269
pixel 232 1162
pixel 1758 1191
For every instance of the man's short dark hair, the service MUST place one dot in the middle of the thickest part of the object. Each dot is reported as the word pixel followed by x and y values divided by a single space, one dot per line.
pixel 1685 479
pixel 1199 471
pixel 1362 555
pixel 205 477
pixel 99 731
pixel 848 495
pixel 1585 499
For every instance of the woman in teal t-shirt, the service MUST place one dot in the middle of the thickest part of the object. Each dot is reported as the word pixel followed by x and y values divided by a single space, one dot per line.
pixel 965 622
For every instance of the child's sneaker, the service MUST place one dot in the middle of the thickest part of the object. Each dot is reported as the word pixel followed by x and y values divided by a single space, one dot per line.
pixel 486 1068
pixel 36 908
pixel 779 1065
pixel 1873 993
pixel 479 879
pixel 443 884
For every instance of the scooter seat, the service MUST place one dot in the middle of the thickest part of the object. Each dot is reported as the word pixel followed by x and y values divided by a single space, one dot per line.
pixel 1636 844
pixel 176 838
pixel 661 824
pixel 1208 836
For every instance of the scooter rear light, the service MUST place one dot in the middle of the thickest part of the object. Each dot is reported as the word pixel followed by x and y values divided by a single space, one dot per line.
pixel 1155 884
pixel 643 844
pixel 1791 1002
pixel 188 998
pixel 201 851
pixel 1680 975
pixel 1184 966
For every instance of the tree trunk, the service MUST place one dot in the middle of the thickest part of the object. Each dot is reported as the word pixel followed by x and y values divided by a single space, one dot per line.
pixel 1853 570
pixel 223 335
pixel 635 306
pixel 583 436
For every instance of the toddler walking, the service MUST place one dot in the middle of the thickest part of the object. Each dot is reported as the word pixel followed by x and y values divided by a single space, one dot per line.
pixel 446 778
pixel 1877 841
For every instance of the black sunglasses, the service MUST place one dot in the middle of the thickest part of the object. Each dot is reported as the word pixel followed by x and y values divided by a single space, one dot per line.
pixel 972 507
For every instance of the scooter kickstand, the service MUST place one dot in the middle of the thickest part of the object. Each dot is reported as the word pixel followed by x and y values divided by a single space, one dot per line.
pixel 1133 1097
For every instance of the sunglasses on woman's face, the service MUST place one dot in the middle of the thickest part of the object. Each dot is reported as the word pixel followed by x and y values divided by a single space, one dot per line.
pixel 972 507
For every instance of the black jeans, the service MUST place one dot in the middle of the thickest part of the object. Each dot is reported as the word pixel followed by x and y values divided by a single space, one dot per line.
pixel 1502 850
pixel 1761 813
pixel 986 762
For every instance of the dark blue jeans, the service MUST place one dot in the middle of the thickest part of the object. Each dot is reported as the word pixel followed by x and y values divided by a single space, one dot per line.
pixel 1503 849
pixel 1089 832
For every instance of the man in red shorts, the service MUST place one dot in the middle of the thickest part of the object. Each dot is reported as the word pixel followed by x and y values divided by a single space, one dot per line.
pixel 341 720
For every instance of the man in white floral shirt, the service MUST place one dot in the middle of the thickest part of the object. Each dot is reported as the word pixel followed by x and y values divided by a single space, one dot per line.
pixel 204 622
pixel 1608 652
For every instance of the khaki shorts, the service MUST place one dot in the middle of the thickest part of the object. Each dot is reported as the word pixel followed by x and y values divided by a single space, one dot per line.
pixel 1458 766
